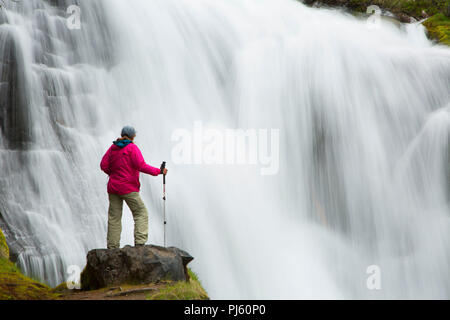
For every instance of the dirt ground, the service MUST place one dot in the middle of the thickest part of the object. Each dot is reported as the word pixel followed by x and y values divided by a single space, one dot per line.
pixel 138 292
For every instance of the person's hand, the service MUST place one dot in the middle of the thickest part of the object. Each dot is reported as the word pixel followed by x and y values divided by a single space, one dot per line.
pixel 164 171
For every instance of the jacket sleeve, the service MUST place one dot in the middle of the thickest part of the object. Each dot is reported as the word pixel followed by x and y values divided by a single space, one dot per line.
pixel 139 164
pixel 104 164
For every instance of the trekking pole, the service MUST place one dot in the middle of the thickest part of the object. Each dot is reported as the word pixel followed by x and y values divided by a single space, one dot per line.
pixel 163 166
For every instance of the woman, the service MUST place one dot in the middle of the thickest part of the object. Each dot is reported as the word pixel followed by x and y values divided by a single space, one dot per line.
pixel 122 163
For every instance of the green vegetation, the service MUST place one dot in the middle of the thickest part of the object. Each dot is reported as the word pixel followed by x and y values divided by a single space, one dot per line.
pixel 62 287
pixel 439 28
pixel 4 250
pixel 438 25
pixel 416 7
pixel 413 8
pixel 182 290
pixel 14 285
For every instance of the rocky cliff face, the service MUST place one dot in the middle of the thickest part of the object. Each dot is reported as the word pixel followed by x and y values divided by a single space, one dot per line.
pixel 14 118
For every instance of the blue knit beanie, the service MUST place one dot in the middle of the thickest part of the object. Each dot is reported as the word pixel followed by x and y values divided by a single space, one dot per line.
pixel 128 131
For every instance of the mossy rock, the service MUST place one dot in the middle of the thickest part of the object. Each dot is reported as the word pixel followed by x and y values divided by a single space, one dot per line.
pixel 182 290
pixel 438 27
pixel 4 250
pixel 15 286
pixel 61 288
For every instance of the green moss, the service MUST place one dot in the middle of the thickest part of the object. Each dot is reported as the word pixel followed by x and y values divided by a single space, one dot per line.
pixel 415 7
pixel 412 8
pixel 358 5
pixel 182 290
pixel 14 285
pixel 438 10
pixel 61 288
pixel 438 28
pixel 193 275
pixel 4 250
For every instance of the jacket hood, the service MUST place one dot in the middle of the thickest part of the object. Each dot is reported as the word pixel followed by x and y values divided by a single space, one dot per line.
pixel 122 143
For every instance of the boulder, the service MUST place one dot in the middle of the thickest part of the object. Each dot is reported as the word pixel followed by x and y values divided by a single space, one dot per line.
pixel 404 18
pixel 134 265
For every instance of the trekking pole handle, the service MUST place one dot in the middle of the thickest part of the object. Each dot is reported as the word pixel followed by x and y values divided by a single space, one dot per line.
pixel 163 166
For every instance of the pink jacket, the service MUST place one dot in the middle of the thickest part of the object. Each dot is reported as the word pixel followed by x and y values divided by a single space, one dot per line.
pixel 123 166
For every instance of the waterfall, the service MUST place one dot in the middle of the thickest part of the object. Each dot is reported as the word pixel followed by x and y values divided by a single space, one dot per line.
pixel 363 116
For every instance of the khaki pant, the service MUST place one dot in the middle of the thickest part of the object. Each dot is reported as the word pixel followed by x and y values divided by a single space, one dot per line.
pixel 140 217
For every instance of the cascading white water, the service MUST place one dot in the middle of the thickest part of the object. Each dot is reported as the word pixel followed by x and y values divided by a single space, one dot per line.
pixel 364 119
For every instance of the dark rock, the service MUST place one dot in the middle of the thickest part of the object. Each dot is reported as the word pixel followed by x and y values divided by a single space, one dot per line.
pixel 134 265
pixel 14 100
pixel 404 18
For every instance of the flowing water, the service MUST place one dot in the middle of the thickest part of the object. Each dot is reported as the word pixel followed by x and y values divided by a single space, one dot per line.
pixel 364 121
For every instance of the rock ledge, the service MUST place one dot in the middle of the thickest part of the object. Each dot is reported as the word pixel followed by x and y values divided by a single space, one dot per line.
pixel 134 265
